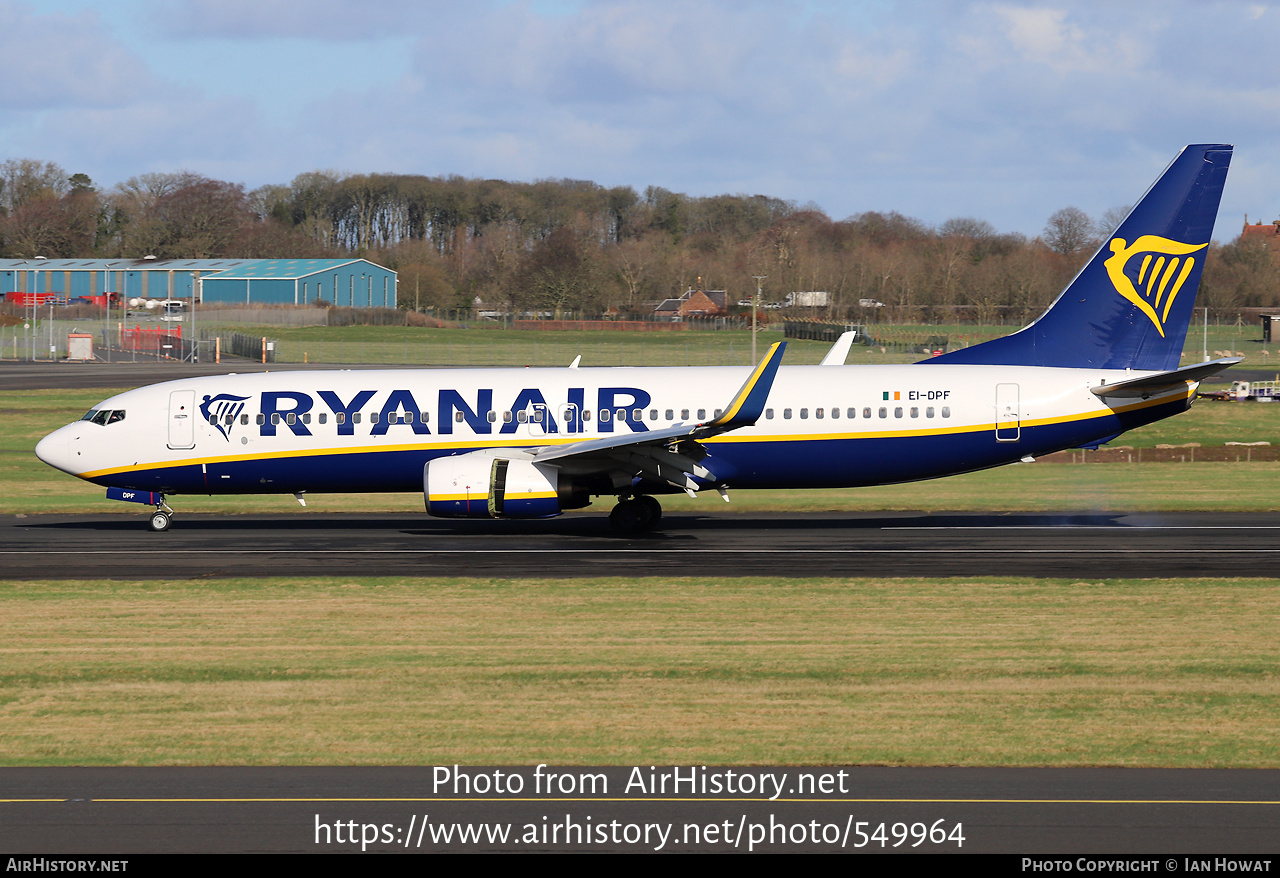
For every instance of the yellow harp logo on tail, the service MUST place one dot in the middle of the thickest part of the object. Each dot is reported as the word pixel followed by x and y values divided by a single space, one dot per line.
pixel 1164 268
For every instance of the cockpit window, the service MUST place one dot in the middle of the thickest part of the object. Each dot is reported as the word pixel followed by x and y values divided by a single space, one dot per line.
pixel 102 417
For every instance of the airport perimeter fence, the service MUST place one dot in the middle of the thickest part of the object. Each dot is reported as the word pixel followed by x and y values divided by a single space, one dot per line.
pixel 48 340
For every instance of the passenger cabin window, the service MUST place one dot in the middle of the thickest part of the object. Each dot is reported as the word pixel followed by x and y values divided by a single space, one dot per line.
pixel 884 412
pixel 604 414
pixel 768 414
pixel 291 419
pixel 786 414
pixel 373 417
pixel 275 417
pixel 261 419
pixel 928 412
pixel 684 414
pixel 671 415
pixel 946 411
pixel 915 412
pixel 492 416
pixel 818 413
pixel 853 413
pixel 244 420
pixel 323 418
pixel 457 416
pixel 897 412
pixel 866 413
pixel 804 414
pixel 702 414
pixel 355 418
pixel 522 417
pixel 340 418
pixel 423 417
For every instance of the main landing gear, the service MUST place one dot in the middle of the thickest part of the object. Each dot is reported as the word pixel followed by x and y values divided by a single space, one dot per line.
pixel 635 515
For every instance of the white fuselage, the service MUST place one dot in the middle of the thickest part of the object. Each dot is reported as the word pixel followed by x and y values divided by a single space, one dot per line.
pixel 374 430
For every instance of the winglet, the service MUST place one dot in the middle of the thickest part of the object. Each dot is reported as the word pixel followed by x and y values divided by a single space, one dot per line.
pixel 840 350
pixel 748 404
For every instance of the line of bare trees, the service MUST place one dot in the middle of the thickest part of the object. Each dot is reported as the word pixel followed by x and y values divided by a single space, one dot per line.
pixel 575 246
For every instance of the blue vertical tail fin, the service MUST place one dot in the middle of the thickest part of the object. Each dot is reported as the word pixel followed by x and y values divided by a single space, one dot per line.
pixel 1130 306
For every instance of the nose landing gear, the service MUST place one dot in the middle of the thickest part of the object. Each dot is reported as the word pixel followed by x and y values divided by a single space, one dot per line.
pixel 159 521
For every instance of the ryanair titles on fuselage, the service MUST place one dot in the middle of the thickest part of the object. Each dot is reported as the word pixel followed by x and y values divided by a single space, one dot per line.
pixel 295 410
pixel 569 411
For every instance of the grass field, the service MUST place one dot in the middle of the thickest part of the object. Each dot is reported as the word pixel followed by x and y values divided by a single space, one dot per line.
pixel 480 345
pixel 755 671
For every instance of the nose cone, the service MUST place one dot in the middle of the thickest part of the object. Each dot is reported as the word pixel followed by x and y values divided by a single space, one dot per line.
pixel 55 450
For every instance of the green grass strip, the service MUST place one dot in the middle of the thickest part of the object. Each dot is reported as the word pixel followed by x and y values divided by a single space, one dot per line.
pixel 375 671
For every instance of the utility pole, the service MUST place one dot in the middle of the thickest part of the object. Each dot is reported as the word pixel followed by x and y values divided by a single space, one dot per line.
pixel 755 303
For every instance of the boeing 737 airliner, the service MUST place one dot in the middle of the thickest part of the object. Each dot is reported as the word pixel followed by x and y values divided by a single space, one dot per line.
pixel 523 443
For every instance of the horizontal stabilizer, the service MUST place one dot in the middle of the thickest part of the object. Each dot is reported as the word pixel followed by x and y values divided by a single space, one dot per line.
pixel 1153 384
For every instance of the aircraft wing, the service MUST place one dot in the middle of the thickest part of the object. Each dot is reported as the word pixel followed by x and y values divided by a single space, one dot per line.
pixel 670 454
pixel 1162 381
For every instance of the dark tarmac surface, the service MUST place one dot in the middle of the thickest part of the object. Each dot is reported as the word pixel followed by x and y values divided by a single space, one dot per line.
pixel 1078 545
pixel 110 811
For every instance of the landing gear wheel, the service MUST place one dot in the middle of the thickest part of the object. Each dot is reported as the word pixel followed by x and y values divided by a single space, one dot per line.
pixel 654 508
pixel 159 522
pixel 635 516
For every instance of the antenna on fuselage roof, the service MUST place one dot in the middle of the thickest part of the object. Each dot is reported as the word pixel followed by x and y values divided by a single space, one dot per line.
pixel 576 361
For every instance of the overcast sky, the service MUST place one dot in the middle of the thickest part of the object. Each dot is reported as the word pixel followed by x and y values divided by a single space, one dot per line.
pixel 1003 111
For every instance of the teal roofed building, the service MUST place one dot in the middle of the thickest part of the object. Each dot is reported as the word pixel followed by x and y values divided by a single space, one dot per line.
pixel 356 283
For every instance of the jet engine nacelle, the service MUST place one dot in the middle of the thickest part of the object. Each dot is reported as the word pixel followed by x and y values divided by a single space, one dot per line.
pixel 484 486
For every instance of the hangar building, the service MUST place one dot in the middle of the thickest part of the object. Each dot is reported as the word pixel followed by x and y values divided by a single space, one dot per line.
pixel 356 283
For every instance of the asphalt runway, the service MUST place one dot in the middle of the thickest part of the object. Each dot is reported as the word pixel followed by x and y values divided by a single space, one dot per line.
pixel 1045 812
pixel 1078 545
